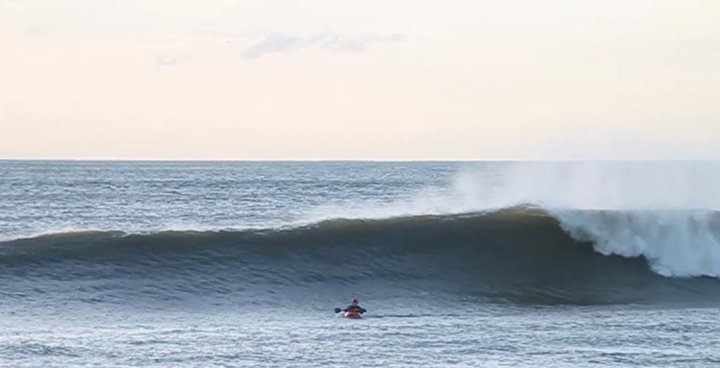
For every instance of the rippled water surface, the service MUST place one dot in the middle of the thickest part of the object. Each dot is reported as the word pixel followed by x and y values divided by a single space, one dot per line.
pixel 563 337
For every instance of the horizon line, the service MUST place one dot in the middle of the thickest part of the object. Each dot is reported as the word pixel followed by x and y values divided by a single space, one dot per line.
pixel 105 159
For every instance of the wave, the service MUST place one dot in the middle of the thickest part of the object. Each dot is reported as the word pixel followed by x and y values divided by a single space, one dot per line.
pixel 519 255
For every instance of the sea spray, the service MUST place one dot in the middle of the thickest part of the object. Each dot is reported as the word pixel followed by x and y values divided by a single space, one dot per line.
pixel 663 211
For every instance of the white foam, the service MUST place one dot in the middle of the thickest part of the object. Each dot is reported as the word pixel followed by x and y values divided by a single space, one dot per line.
pixel 678 243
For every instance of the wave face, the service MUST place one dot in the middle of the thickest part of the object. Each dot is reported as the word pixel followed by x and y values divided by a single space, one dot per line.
pixel 519 255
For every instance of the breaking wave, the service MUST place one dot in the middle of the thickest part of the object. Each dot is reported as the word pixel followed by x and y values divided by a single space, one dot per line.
pixel 519 255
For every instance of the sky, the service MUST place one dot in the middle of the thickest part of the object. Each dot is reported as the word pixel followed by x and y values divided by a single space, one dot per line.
pixel 360 80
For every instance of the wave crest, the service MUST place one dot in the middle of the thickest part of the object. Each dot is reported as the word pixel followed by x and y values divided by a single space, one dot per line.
pixel 519 254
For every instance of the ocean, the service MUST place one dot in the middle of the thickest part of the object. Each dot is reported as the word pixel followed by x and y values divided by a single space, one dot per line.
pixel 468 264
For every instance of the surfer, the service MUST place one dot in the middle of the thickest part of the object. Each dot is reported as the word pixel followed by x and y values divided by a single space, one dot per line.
pixel 354 310
pixel 355 307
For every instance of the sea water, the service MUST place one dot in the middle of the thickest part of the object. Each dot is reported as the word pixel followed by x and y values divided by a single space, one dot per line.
pixel 186 264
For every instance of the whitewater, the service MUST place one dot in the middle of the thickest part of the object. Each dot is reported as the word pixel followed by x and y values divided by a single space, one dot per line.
pixel 459 263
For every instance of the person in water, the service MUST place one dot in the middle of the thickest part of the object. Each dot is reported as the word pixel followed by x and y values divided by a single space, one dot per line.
pixel 354 307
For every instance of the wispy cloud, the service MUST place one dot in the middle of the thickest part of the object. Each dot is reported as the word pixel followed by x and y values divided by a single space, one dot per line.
pixel 274 43
pixel 358 43
pixel 281 43
pixel 11 5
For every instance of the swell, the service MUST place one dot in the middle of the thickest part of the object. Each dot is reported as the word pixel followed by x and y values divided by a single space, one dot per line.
pixel 521 230
pixel 519 255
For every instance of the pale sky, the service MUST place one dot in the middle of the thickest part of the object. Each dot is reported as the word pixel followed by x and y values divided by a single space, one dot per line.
pixel 370 79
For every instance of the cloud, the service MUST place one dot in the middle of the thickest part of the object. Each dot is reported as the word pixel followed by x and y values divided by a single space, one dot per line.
pixel 11 5
pixel 280 43
pixel 274 43
pixel 358 43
